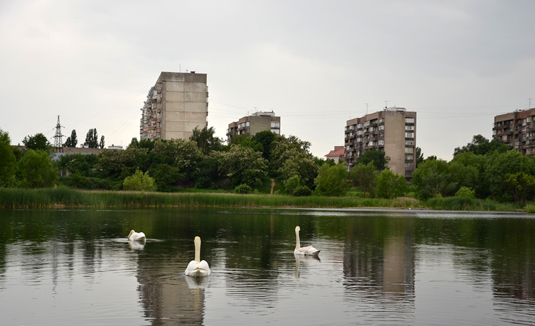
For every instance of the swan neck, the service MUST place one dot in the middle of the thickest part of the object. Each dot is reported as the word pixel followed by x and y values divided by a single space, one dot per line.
pixel 297 243
pixel 198 249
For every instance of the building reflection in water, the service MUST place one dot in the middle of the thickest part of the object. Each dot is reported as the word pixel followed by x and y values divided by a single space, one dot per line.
pixel 380 263
pixel 167 295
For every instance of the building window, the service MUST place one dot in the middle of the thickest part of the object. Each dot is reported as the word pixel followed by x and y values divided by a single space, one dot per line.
pixel 408 164
pixel 409 120
pixel 275 131
pixel 409 157
pixel 275 124
pixel 409 143
pixel 409 150
pixel 409 127
pixel 381 127
pixel 359 126
pixel 409 135
pixel 381 142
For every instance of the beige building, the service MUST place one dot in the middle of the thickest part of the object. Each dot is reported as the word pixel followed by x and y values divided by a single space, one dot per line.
pixel 252 124
pixel 175 105
pixel 392 131
pixel 516 129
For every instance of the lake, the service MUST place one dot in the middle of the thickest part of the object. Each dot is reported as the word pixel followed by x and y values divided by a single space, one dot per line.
pixel 376 267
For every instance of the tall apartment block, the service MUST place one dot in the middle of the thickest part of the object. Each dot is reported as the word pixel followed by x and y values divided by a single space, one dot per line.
pixel 516 129
pixel 252 124
pixel 392 131
pixel 175 105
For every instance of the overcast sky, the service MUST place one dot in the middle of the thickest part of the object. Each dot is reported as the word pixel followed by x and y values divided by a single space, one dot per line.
pixel 315 63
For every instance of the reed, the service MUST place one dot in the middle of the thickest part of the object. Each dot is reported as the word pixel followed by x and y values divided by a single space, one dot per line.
pixel 68 197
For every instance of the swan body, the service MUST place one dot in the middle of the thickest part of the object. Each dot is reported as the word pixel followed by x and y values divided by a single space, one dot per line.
pixel 136 236
pixel 197 267
pixel 303 251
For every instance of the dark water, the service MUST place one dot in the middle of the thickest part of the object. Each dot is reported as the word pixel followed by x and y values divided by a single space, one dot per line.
pixel 75 267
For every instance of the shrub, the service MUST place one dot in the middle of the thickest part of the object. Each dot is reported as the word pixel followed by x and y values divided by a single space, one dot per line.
pixel 530 208
pixel 465 192
pixel 139 181
pixel 243 189
pixel 302 191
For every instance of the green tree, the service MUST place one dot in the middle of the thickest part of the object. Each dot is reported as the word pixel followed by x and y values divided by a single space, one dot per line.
pixel 112 163
pixel 71 141
pixel 37 142
pixel 205 140
pixel 520 186
pixel 465 192
pixel 332 181
pixel 35 170
pixel 291 184
pixel 243 165
pixel 139 181
pixel 265 139
pixel 166 177
pixel 8 161
pixel 290 156
pixel 364 176
pixel 91 138
pixel 379 159
pixel 183 154
pixel 432 177
pixel 391 185
pixel 419 156
pixel 101 144
pixel 481 146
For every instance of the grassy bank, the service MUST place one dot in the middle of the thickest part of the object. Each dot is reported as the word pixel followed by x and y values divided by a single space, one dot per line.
pixel 47 198
pixel 67 197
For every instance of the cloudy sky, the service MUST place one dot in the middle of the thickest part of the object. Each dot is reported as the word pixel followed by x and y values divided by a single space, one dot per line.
pixel 316 64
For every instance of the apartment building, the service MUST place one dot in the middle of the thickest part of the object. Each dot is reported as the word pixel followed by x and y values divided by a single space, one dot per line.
pixel 392 131
pixel 252 124
pixel 516 129
pixel 175 105
pixel 337 154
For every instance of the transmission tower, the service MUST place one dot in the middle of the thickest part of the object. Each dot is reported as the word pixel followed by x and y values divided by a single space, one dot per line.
pixel 58 142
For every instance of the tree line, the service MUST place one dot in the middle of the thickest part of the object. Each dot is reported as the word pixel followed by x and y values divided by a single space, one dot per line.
pixel 269 163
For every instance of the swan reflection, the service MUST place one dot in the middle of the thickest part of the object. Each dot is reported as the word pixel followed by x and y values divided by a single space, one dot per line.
pixel 305 260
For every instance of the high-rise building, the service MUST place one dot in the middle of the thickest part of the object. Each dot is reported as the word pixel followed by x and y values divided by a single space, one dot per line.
pixel 392 131
pixel 175 105
pixel 252 124
pixel 516 129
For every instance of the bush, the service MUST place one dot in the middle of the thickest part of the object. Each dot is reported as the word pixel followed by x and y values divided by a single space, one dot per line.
pixel 302 191
pixel 243 189
pixel 139 181
pixel 530 208
pixel 465 192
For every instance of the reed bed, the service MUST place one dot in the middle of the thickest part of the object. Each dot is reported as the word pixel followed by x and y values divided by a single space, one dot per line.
pixel 68 197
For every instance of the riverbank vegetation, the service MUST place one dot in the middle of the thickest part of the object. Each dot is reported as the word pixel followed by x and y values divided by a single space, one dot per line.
pixel 271 170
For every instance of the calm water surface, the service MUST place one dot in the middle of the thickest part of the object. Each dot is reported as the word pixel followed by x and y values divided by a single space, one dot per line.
pixel 376 267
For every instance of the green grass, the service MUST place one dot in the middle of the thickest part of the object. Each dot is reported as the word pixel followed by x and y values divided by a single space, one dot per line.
pixel 67 197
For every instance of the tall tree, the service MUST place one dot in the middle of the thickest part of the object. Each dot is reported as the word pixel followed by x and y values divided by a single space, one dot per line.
pixel 36 170
pixel 379 159
pixel 8 162
pixel 71 141
pixel 265 138
pixel 332 180
pixel 205 140
pixel 37 142
pixel 91 139
pixel 364 176
pixel 481 146
pixel 101 145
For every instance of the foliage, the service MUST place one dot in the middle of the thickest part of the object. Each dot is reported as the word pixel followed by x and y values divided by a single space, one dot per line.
pixel 112 163
pixel 530 208
pixel 37 142
pixel 481 146
pixel 71 141
pixel 206 141
pixel 291 184
pixel 289 157
pixel 166 177
pixel 432 177
pixel 83 164
pixel 302 191
pixel 35 170
pixel 379 159
pixel 263 142
pixel 465 192
pixel 332 181
pixel 8 161
pixel 102 143
pixel 91 138
pixel 520 186
pixel 364 176
pixel 243 189
pixel 243 166
pixel 139 181
pixel 419 156
pixel 391 185
pixel 183 154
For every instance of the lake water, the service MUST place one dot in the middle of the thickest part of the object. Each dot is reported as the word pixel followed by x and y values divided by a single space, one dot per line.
pixel 376 267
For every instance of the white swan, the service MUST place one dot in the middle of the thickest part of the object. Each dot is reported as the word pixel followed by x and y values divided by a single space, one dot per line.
pixel 304 251
pixel 197 267
pixel 136 236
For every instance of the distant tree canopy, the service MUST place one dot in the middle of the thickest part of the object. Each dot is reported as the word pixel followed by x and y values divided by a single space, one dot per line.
pixel 481 146
pixel 8 161
pixel 37 142
pixel 206 140
pixel 71 141
pixel 379 159
pixel 91 139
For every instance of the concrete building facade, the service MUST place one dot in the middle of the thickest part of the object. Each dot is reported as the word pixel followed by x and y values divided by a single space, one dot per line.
pixel 392 131
pixel 175 105
pixel 253 124
pixel 516 129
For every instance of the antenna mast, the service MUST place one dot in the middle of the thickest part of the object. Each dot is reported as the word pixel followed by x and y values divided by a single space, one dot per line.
pixel 58 142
